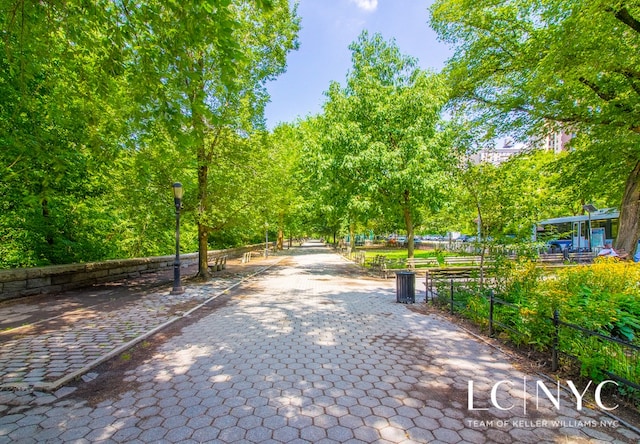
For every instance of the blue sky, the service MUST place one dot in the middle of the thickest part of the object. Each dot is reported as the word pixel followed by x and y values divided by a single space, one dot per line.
pixel 328 28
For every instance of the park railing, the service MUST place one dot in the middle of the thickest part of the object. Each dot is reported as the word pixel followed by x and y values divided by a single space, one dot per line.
pixel 597 355
pixel 616 358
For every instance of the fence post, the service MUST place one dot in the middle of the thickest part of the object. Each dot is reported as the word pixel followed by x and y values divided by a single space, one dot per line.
pixel 426 286
pixel 554 350
pixel 491 314
pixel 451 291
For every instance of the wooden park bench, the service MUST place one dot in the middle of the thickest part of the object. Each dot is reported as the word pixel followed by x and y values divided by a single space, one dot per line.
pixel 218 263
pixel 582 257
pixel 565 258
pixel 413 262
pixel 462 260
pixel 246 257
pixel 451 275
pixel 379 264
pixel 551 258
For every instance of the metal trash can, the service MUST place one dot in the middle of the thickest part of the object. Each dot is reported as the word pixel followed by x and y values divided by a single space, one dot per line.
pixel 406 287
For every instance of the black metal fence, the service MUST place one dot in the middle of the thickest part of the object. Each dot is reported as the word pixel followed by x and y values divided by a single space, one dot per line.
pixel 616 358
pixel 599 356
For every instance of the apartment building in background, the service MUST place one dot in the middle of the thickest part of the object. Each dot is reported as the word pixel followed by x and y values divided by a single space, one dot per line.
pixel 555 141
pixel 500 153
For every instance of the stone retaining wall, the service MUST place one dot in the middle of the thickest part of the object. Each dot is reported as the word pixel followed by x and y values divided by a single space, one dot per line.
pixel 57 278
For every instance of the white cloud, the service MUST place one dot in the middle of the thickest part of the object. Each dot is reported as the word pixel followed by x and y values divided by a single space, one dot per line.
pixel 367 5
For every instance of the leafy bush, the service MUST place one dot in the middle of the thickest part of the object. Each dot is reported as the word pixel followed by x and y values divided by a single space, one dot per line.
pixel 603 297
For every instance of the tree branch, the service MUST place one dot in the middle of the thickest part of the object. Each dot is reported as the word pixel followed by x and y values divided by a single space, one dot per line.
pixel 632 77
pixel 607 97
pixel 556 118
pixel 596 89
pixel 625 17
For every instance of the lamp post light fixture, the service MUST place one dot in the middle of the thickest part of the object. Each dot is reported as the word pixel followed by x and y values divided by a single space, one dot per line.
pixel 177 199
pixel 266 239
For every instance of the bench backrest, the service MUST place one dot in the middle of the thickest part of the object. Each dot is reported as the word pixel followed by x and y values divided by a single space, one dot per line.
pixel 462 259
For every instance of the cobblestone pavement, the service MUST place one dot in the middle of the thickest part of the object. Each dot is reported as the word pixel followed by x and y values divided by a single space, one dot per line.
pixel 312 352
pixel 48 340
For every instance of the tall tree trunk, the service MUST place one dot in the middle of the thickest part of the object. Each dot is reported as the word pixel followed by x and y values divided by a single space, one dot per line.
pixel 203 158
pixel 280 242
pixel 408 222
pixel 352 238
pixel 203 231
pixel 481 239
pixel 628 232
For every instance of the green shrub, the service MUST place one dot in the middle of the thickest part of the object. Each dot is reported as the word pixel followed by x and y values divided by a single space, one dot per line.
pixel 603 297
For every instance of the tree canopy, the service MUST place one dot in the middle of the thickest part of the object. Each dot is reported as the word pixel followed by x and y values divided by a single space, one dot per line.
pixel 379 136
pixel 104 106
pixel 530 67
pixel 206 64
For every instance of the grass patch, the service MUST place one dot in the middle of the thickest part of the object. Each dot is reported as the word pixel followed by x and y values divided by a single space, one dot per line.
pixel 402 253
pixel 397 257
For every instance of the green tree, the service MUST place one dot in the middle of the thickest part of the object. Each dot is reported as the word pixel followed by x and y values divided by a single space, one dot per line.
pixel 204 65
pixel 533 67
pixel 105 105
pixel 388 156
pixel 322 198
pixel 286 181
pixel 61 89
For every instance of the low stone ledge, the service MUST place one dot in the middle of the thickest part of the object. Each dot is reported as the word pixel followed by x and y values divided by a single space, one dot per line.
pixel 55 278
pixel 13 275
pixel 54 270
pixel 15 286
pixel 38 282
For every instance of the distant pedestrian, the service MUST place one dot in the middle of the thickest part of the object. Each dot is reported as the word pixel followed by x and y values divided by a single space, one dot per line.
pixel 608 251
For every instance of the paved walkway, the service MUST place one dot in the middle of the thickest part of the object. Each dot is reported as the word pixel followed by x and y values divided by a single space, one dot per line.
pixel 48 341
pixel 310 352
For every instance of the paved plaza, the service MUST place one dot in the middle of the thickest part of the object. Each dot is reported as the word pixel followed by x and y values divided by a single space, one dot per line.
pixel 309 349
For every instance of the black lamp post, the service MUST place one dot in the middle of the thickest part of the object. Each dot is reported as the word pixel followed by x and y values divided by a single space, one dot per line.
pixel 266 239
pixel 177 199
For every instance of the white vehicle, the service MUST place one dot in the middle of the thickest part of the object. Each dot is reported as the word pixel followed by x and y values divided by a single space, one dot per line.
pixel 580 233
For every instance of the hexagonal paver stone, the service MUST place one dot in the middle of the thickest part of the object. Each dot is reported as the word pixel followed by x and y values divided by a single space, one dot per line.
pixel 274 422
pixel 421 435
pixel 325 421
pixel 300 421
pixel 447 435
pixel 286 434
pixel 258 434
pixel 350 421
pixel 232 434
pixel 393 434
pixel 126 434
pixel 339 433
pixel 367 434
pixel 313 433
